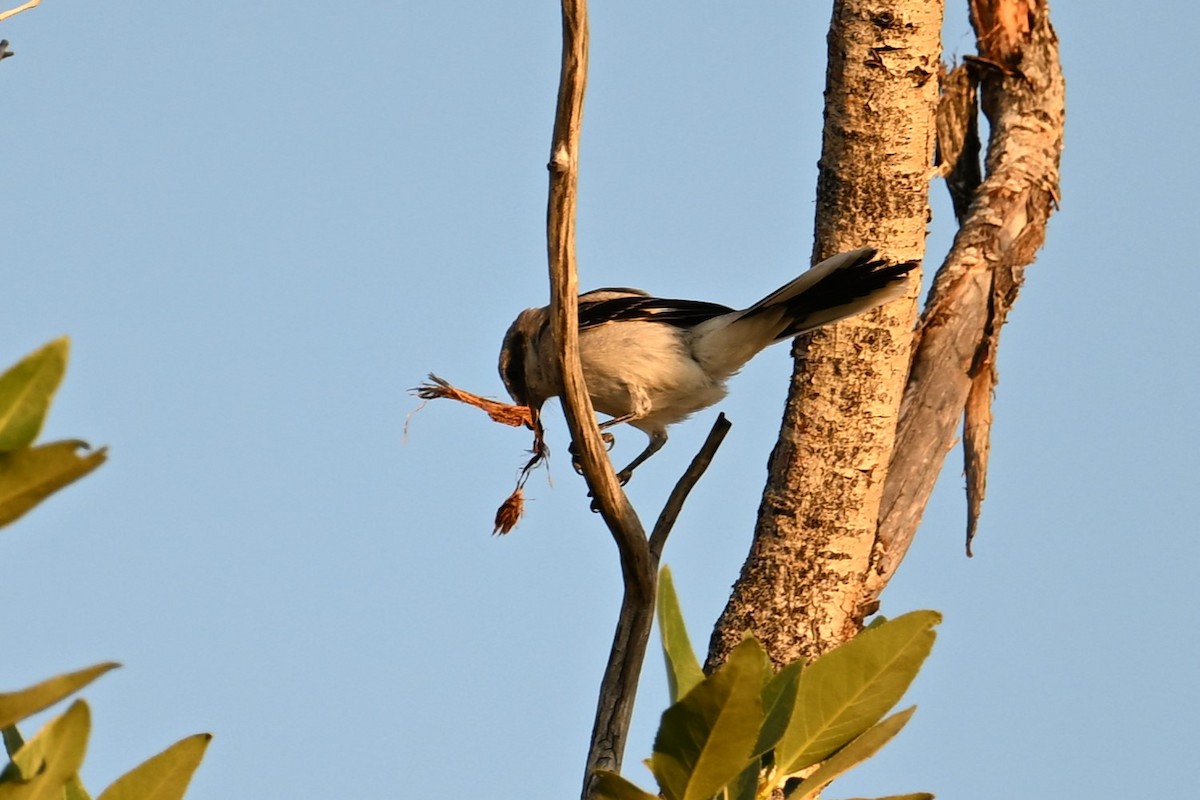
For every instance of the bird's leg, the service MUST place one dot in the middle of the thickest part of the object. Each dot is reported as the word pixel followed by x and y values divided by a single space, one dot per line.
pixel 608 423
pixel 641 407
pixel 657 440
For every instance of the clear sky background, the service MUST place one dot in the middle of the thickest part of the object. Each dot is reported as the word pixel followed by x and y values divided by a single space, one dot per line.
pixel 262 223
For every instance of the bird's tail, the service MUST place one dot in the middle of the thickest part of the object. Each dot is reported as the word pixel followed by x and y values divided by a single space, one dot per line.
pixel 837 288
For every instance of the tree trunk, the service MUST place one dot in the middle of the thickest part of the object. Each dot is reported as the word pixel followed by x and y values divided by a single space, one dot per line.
pixel 847 485
pixel 803 587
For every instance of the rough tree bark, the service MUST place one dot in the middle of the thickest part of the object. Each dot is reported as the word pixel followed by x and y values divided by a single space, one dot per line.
pixel 803 586
pixel 847 486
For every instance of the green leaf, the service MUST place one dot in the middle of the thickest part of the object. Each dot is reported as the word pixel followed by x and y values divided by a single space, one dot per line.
pixel 611 786
pixel 683 669
pixel 26 390
pixel 854 753
pixel 706 739
pixel 161 777
pixel 43 767
pixel 850 688
pixel 779 700
pixel 745 785
pixel 29 475
pixel 16 706
pixel 74 790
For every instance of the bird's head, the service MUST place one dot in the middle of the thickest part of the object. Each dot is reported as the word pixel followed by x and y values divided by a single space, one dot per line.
pixel 519 366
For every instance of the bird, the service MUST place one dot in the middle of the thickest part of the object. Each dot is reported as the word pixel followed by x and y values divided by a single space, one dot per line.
pixel 652 362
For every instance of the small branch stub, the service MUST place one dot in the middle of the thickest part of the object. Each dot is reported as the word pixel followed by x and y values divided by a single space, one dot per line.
pixel 561 160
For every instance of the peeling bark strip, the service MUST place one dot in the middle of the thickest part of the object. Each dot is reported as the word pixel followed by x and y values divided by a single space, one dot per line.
pixel 817 521
pixel 953 369
pixel 958 138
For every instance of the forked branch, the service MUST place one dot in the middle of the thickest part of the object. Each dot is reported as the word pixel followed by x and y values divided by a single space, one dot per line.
pixel 639 556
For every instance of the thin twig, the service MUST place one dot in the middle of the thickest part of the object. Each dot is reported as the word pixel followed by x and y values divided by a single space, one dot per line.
pixel 12 12
pixel 637 569
pixel 610 500
pixel 618 689
pixel 679 495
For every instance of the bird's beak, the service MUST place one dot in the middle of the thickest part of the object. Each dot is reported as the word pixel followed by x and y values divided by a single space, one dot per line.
pixel 535 418
pixel 539 433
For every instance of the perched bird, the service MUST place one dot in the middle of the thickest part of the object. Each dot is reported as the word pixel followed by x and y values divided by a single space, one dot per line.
pixel 652 362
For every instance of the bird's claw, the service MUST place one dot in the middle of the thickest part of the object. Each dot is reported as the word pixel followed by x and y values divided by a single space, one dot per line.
pixel 577 465
pixel 622 478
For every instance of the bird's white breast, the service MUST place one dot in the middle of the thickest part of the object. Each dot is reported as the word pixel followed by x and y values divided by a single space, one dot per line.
pixel 644 368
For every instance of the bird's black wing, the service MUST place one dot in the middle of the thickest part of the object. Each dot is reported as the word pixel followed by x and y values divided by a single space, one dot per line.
pixel 680 313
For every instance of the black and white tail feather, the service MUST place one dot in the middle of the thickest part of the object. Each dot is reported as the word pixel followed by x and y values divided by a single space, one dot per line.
pixel 652 362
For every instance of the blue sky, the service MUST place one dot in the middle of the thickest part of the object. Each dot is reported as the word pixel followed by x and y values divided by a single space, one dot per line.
pixel 262 223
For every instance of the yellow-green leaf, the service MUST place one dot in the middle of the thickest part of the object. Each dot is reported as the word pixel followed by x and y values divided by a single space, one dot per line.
pixel 611 786
pixel 854 753
pixel 26 390
pixel 74 790
pixel 16 706
pixel 779 702
pixel 30 475
pixel 42 768
pixel 850 688
pixel 683 669
pixel 161 777
pixel 745 786
pixel 707 739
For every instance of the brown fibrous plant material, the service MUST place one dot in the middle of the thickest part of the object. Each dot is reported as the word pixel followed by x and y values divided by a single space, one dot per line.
pixel 510 511
pixel 504 413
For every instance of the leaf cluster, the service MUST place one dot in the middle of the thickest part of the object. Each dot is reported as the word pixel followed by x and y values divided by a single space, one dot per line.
pixel 46 767
pixel 746 731
pixel 29 474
